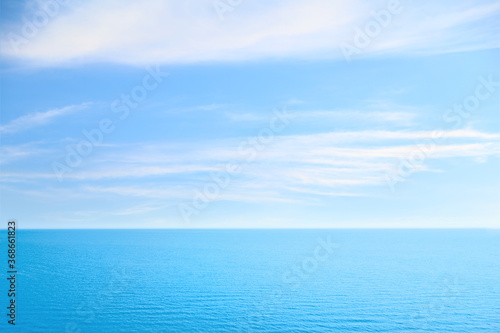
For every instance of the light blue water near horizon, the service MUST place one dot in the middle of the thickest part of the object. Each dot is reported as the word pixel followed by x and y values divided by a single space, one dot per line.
pixel 256 281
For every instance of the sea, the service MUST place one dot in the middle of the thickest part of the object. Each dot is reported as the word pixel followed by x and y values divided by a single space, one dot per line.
pixel 255 280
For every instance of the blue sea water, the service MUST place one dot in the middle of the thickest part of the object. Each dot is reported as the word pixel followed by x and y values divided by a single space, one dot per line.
pixel 256 281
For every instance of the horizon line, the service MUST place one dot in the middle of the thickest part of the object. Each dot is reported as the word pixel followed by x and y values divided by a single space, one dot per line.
pixel 333 228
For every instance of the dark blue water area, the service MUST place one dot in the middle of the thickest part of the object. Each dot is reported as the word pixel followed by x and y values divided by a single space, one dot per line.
pixel 255 281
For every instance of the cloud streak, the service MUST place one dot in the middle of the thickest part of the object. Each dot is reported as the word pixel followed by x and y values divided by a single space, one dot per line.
pixel 170 31
pixel 396 117
pixel 296 168
pixel 37 119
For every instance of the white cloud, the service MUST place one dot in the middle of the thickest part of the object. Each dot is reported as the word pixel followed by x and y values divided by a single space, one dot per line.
pixel 245 116
pixel 9 154
pixel 373 111
pixel 292 168
pixel 141 209
pixel 443 27
pixel 118 171
pixel 36 119
pixel 399 118
pixel 171 31
pixel 209 107
pixel 239 193
pixel 137 191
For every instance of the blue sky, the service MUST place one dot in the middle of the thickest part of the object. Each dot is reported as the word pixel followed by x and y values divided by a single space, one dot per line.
pixel 172 93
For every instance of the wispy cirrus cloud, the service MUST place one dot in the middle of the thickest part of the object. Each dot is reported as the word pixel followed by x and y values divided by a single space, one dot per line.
pixel 371 111
pixel 444 27
pixel 242 193
pixel 37 119
pixel 209 107
pixel 12 153
pixel 170 31
pixel 395 117
pixel 295 168
pixel 331 138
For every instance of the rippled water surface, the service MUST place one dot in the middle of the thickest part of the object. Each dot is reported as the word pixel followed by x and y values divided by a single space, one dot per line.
pixel 257 281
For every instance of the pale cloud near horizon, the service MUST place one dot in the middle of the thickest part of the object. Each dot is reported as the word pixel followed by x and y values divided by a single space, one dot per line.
pixel 298 168
pixel 168 31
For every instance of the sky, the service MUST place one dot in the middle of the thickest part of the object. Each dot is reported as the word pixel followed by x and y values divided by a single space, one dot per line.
pixel 250 114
